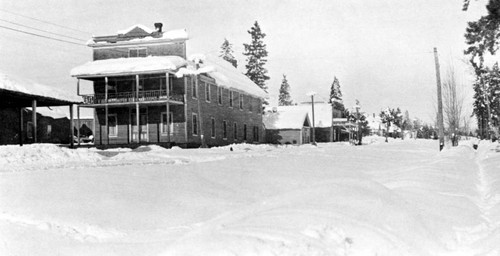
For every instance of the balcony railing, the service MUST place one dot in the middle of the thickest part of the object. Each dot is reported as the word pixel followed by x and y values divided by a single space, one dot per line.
pixel 123 97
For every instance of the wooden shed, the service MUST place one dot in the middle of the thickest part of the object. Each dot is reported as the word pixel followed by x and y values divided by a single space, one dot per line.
pixel 287 125
pixel 17 94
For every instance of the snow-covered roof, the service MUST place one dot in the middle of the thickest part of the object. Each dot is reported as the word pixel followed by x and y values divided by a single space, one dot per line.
pixel 22 85
pixel 224 73
pixel 322 113
pixel 53 112
pixel 118 39
pixel 129 65
pixel 127 30
pixel 285 117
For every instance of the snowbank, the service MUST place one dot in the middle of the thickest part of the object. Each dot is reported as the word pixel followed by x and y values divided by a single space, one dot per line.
pixel 398 198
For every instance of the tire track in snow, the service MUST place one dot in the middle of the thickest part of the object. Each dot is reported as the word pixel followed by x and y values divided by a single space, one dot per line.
pixel 474 238
pixel 79 232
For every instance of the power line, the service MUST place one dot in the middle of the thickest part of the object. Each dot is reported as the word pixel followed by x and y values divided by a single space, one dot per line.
pixel 41 30
pixel 47 22
pixel 47 37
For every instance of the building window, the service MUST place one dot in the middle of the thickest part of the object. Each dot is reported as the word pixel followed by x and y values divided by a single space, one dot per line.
pixel 112 125
pixel 212 128
pixel 219 95
pixel 241 101
pixel 255 133
pixel 164 126
pixel 195 124
pixel 29 130
pixel 250 103
pixel 207 92
pixel 193 88
pixel 244 132
pixel 49 130
pixel 231 97
pixel 137 52
pixel 224 129
pixel 235 131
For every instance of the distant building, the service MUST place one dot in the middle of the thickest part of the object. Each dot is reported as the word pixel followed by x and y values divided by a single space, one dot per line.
pixel 146 90
pixel 375 125
pixel 287 125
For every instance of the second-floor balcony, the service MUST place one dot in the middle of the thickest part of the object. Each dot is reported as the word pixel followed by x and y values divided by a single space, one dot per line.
pixel 125 97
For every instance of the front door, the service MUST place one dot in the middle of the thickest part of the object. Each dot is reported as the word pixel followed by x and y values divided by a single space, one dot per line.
pixel 143 125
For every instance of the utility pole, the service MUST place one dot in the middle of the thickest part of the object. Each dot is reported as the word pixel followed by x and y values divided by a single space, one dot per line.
pixel 440 102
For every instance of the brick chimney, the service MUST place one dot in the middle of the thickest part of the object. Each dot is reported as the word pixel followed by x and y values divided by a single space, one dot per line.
pixel 158 27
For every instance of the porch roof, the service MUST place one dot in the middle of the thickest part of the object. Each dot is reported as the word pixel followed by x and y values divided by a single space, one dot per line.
pixel 128 66
pixel 20 92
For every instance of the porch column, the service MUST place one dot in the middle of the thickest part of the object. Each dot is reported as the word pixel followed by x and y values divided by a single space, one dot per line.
pixel 21 126
pixel 33 115
pixel 137 87
pixel 71 127
pixel 137 112
pixel 78 87
pixel 168 107
pixel 78 123
pixel 106 89
pixel 106 122
pixel 137 119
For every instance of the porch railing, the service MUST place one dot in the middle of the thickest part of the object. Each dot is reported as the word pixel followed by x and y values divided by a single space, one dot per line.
pixel 122 97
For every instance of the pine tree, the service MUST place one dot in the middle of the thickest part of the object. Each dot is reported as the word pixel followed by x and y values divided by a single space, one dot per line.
pixel 391 117
pixel 336 95
pixel 256 57
pixel 284 97
pixel 226 53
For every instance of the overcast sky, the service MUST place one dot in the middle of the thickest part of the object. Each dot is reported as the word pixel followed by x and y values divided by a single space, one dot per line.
pixel 380 50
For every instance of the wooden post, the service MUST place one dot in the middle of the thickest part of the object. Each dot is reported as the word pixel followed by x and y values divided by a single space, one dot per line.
pixel 136 87
pixel 21 126
pixel 33 115
pixel 440 102
pixel 313 125
pixel 168 106
pixel 137 114
pixel 78 87
pixel 71 141
pixel 106 89
pixel 78 125
pixel 106 113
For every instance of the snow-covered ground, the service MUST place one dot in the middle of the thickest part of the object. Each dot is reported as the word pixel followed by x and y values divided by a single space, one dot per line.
pixel 396 198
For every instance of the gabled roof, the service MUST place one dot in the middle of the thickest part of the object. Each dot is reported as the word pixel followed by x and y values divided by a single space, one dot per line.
pixel 19 92
pixel 135 29
pixel 286 117
pixel 138 34
pixel 127 66
pixel 322 113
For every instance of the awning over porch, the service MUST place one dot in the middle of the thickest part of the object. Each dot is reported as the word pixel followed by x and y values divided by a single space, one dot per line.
pixel 128 66
pixel 20 92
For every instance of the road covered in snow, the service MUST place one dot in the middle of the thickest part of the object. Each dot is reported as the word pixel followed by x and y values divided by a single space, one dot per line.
pixel 396 198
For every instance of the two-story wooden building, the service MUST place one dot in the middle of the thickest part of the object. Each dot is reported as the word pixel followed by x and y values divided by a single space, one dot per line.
pixel 146 90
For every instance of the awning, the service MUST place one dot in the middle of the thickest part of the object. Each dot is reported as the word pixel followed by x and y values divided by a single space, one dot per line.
pixel 128 66
pixel 20 92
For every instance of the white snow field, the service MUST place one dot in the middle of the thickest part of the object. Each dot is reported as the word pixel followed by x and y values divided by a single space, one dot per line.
pixel 396 198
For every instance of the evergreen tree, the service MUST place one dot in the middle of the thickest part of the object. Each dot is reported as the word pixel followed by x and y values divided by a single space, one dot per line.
pixel 391 117
pixel 482 36
pixel 336 95
pixel 256 57
pixel 284 98
pixel 361 123
pixel 226 52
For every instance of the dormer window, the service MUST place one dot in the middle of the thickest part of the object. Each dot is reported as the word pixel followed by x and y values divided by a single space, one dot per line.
pixel 137 52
